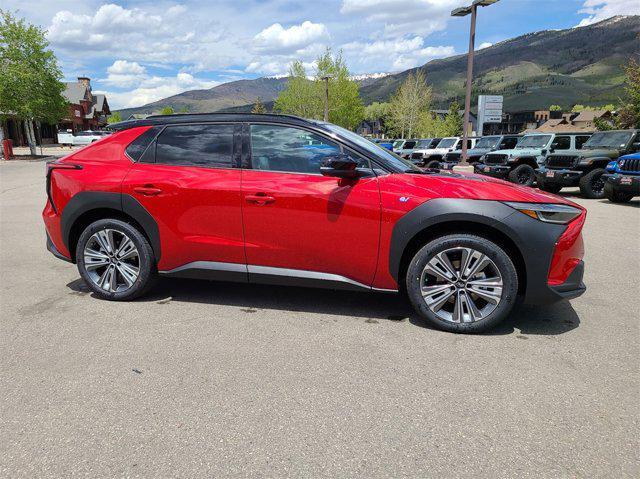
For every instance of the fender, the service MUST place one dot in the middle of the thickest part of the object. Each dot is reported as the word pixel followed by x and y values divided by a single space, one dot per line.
pixel 91 200
pixel 597 161
pixel 534 239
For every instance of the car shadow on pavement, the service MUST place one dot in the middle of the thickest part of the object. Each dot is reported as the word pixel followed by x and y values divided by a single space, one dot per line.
pixel 635 203
pixel 555 319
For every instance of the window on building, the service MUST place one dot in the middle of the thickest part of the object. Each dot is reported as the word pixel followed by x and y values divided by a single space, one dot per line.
pixel 196 145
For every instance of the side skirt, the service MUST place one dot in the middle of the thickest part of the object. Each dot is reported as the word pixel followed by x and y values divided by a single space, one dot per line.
pixel 216 271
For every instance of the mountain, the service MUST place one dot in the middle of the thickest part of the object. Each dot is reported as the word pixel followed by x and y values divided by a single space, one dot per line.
pixel 579 65
pixel 227 95
pixel 565 67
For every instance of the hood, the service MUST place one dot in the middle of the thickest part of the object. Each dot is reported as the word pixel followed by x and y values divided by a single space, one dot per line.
pixel 471 186
pixel 479 151
pixel 433 151
pixel 519 152
pixel 587 153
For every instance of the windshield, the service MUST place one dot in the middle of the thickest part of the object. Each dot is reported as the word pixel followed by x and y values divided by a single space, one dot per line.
pixel 424 143
pixel 379 152
pixel 534 141
pixel 447 143
pixel 398 143
pixel 609 139
pixel 488 142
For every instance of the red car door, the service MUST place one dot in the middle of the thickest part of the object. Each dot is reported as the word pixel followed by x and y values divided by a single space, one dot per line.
pixel 295 219
pixel 189 181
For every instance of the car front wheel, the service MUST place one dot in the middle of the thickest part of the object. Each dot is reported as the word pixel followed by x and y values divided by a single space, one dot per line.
pixel 616 196
pixel 115 260
pixel 592 184
pixel 523 175
pixel 462 283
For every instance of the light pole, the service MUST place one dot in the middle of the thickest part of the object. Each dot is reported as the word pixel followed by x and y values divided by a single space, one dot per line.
pixel 463 12
pixel 326 97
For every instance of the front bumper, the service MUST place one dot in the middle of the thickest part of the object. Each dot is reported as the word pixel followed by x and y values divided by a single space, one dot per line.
pixel 573 286
pixel 496 171
pixel 562 177
pixel 624 183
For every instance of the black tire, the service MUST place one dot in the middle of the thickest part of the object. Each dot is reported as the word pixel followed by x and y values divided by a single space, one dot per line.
pixel 523 175
pixel 146 261
pixel 434 164
pixel 549 187
pixel 592 184
pixel 494 252
pixel 616 196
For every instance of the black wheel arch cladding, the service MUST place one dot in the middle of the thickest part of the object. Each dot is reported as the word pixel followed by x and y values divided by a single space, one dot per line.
pixel 534 239
pixel 87 201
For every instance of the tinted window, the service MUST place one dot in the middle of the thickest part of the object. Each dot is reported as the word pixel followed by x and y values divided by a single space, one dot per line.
pixel 280 148
pixel 561 143
pixel 408 145
pixel 581 140
pixel 196 145
pixel 509 143
pixel 137 147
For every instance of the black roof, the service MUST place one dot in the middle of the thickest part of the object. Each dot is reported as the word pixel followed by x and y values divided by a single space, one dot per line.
pixel 211 117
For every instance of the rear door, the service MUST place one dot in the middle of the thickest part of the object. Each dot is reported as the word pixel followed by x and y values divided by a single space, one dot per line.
pixel 188 179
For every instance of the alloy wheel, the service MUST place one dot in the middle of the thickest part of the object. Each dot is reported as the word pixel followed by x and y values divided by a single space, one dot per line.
pixel 111 260
pixel 597 185
pixel 461 285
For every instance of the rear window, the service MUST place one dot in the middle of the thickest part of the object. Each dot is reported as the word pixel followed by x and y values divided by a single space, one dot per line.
pixel 137 147
pixel 196 145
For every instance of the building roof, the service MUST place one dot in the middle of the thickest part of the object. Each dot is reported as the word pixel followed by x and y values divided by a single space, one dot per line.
pixel 74 92
pixel 590 115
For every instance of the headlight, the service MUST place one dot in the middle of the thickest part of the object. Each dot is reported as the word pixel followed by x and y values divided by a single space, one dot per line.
pixel 547 212
pixel 512 158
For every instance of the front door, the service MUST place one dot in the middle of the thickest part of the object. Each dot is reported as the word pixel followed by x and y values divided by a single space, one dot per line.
pixel 296 219
pixel 189 181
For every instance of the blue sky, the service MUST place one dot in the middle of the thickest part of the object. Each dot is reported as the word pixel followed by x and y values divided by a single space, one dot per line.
pixel 142 51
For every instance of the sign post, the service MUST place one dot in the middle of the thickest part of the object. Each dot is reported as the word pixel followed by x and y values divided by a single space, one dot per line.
pixel 489 110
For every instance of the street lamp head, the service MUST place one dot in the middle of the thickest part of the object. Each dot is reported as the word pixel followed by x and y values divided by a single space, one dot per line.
pixel 461 12
pixel 484 3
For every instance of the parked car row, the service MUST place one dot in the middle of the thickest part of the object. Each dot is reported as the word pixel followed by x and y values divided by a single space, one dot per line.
pixel 550 160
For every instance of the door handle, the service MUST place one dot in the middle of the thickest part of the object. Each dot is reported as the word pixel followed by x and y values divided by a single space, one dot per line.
pixel 260 199
pixel 147 190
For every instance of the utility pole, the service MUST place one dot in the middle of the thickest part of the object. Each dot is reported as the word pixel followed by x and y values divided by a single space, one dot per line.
pixel 463 12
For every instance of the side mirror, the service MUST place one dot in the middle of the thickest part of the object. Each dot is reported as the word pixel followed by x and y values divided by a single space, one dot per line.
pixel 341 166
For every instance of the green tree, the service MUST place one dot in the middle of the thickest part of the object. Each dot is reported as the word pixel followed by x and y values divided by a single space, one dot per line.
pixel 167 110
pixel 259 107
pixel 305 97
pixel 30 80
pixel 410 106
pixel 115 117
pixel 300 97
pixel 184 109
pixel 377 111
pixel 555 108
pixel 453 122
pixel 629 113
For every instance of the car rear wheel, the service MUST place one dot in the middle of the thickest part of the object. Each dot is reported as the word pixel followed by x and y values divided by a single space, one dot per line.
pixel 523 175
pixel 616 196
pixel 115 260
pixel 592 184
pixel 462 283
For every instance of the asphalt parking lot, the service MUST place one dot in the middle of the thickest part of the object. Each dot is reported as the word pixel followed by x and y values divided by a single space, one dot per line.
pixel 229 380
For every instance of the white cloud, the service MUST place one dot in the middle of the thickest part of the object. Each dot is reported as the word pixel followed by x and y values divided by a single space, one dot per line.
pixel 154 88
pixel 153 34
pixel 277 39
pixel 401 17
pixel 405 53
pixel 485 45
pixel 125 74
pixel 599 10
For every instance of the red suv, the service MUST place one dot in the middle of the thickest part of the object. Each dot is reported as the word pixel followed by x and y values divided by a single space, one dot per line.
pixel 282 200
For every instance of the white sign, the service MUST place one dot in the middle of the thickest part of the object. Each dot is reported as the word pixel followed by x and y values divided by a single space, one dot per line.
pixel 489 110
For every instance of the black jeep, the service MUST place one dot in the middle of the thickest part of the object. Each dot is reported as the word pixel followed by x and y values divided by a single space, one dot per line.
pixel 585 168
